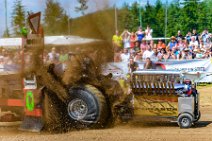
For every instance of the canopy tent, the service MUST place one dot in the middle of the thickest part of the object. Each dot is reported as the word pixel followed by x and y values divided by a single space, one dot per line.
pixel 48 40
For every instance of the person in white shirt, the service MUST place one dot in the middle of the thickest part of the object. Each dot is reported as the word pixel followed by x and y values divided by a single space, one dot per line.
pixel 125 56
pixel 148 33
pixel 148 53
pixel 193 43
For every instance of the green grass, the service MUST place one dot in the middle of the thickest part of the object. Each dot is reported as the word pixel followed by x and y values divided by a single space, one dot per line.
pixel 204 85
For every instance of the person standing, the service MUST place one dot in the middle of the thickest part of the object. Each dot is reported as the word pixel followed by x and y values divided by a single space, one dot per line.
pixel 140 34
pixel 148 33
pixel 117 41
pixel 195 34
pixel 126 39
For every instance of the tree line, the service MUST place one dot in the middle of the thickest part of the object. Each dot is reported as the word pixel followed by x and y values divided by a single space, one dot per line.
pixel 183 15
pixel 55 18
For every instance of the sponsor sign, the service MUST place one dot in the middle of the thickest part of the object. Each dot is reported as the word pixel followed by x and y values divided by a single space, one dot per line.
pixel 156 105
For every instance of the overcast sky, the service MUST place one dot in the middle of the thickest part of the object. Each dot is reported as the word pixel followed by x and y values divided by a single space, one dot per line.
pixel 68 5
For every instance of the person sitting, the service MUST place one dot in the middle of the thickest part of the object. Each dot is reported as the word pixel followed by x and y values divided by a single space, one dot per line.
pixel 149 64
pixel 172 43
pixel 193 43
pixel 161 44
pixel 125 55
pixel 198 53
pixel 180 45
pixel 148 53
pixel 136 47
pixel 186 55
pixel 138 56
pixel 143 45
pixel 133 66
pixel 169 55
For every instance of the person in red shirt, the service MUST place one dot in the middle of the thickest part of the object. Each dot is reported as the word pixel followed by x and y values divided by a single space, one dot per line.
pixel 133 39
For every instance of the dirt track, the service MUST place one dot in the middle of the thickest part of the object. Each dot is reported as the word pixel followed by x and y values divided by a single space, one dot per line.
pixel 133 131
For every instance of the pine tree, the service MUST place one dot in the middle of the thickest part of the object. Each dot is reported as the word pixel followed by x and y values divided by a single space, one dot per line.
pixel 82 7
pixel 55 18
pixel 18 17
pixel 6 33
pixel 159 15
pixel 190 13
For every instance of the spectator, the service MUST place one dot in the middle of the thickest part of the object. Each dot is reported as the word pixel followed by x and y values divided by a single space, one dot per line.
pixel 204 36
pixel 136 48
pixel 117 56
pixel 180 45
pixel 117 41
pixel 143 45
pixel 196 35
pixel 148 53
pixel 140 35
pixel 207 44
pixel 179 35
pixel 198 54
pixel 162 54
pixel 186 55
pixel 126 39
pixel 63 58
pixel 133 66
pixel 161 44
pixel 156 55
pixel 193 43
pixel 149 64
pixel 148 33
pixel 8 58
pixel 169 54
pixel 188 37
pixel 138 56
pixel 3 51
pixel 53 56
pixel 125 55
pixel 172 43
pixel 133 39
pixel 176 53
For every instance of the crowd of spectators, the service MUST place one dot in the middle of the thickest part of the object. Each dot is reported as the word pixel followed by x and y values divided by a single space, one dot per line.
pixel 13 59
pixel 140 45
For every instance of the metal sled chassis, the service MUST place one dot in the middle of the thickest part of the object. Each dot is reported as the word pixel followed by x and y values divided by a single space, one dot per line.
pixel 165 94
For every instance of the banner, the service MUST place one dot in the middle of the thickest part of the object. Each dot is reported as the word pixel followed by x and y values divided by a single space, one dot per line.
pixel 196 70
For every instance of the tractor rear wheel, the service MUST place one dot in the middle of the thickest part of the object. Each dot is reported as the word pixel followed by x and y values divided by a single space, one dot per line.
pixel 87 107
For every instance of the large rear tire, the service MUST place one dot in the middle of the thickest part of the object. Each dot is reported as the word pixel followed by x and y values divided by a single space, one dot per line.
pixel 87 107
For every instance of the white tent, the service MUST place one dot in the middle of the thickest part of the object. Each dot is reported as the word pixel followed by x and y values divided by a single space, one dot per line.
pixel 49 40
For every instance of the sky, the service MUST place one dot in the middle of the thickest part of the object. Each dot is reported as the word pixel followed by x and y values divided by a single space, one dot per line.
pixel 68 5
